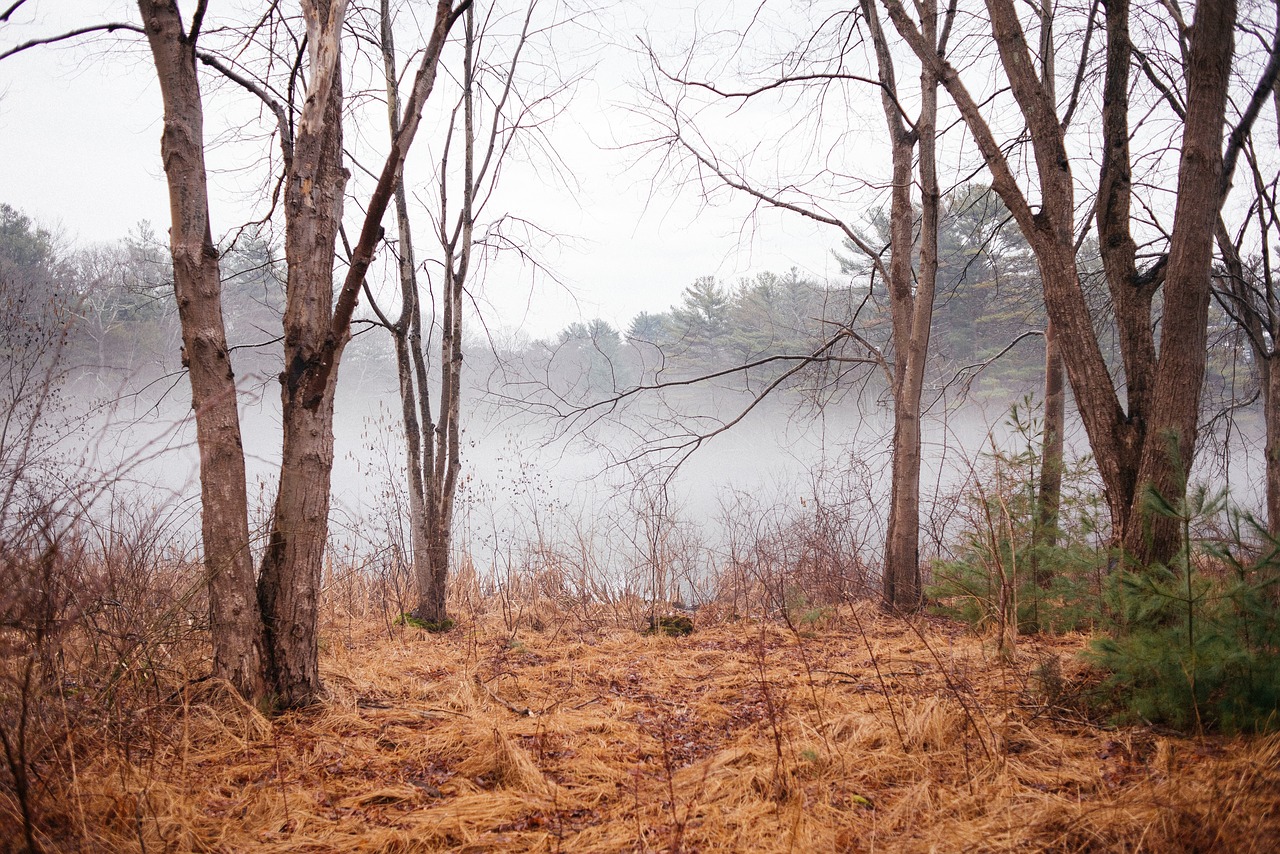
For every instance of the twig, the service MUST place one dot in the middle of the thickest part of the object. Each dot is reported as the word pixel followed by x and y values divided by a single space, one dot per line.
pixel 524 713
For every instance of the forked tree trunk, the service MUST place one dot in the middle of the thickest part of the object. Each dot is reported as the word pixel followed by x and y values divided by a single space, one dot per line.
pixel 406 332
pixel 1169 444
pixel 901 582
pixel 1149 443
pixel 444 463
pixel 290 577
pixel 432 445
pixel 911 295
pixel 234 621
pixel 273 649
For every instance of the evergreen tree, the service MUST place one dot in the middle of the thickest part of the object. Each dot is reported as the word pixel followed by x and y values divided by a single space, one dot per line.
pixel 700 325
pixel 649 328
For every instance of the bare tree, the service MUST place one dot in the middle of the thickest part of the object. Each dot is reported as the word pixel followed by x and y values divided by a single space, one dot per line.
pixel 1147 442
pixel 910 284
pixel 236 626
pixel 492 112
pixel 269 648
pixel 911 294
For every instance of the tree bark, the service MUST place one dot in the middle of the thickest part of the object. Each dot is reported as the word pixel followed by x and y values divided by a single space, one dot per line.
pixel 1049 490
pixel 290 577
pixel 1169 445
pixel 911 296
pixel 1149 445
pixel 235 624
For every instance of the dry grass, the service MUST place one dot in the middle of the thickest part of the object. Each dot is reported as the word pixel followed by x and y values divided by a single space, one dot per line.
pixel 742 737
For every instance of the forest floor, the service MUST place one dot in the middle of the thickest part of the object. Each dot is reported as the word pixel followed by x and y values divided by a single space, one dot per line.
pixel 860 733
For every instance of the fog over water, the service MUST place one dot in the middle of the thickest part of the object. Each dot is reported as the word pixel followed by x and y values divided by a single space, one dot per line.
pixel 580 491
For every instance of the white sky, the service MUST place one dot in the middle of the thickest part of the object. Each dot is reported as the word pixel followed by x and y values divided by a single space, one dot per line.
pixel 79 150
pixel 80 129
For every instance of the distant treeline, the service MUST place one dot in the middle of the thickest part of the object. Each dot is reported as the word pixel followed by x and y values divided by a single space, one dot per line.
pixel 112 307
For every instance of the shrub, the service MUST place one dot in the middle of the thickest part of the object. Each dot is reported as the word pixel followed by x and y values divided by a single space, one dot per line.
pixel 1008 566
pixel 1196 644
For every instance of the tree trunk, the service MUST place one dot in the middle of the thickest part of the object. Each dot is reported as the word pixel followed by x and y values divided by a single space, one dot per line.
pixel 1271 414
pixel 290 579
pixel 911 295
pixel 1169 444
pixel 1149 445
pixel 415 396
pixel 901 582
pixel 433 591
pixel 902 538
pixel 443 462
pixel 235 624
pixel 1049 491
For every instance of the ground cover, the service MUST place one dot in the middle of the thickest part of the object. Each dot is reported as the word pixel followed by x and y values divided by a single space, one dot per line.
pixel 858 733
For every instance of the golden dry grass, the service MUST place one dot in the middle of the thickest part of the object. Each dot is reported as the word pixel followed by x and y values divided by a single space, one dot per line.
pixel 868 736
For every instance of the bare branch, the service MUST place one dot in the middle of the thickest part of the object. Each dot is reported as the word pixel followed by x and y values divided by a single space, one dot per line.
pixel 259 91
pixel 968 373
pixel 782 204
pixel 71 34
pixel 779 83
pixel 197 20
pixel 1264 90
pixel 1080 68
pixel 4 16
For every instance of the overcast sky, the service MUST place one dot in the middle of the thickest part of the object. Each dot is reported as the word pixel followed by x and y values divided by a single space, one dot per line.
pixel 79 150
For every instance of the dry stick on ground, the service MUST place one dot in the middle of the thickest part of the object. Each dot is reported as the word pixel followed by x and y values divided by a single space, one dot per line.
pixel 959 695
pixel 524 713
pixel 809 681
pixel 884 688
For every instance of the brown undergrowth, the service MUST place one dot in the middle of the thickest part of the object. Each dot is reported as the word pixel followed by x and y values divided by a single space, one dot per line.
pixel 867 733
